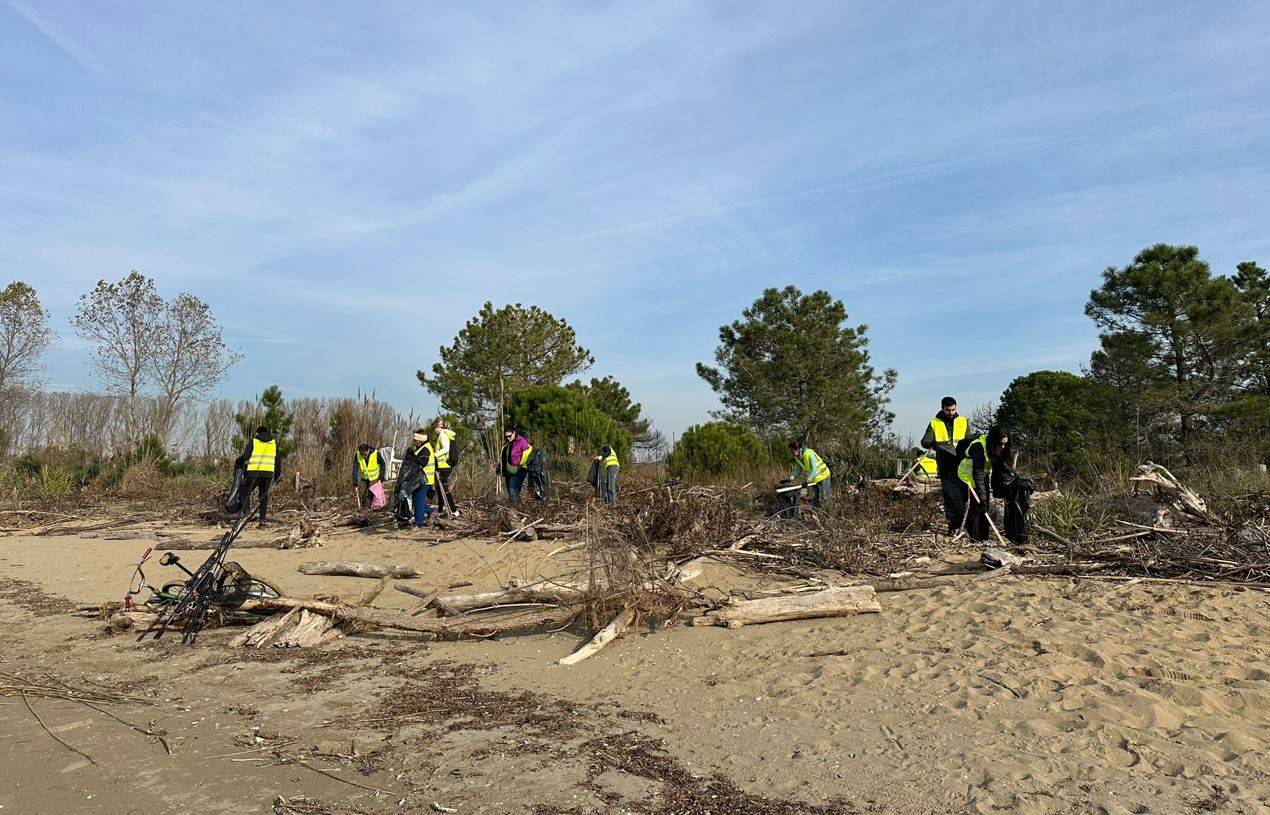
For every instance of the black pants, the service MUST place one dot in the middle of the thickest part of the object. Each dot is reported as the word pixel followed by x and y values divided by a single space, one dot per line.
pixel 977 521
pixel 955 496
pixel 261 482
pixel 443 477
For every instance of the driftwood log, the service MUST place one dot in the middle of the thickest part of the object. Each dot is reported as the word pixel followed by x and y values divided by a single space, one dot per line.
pixel 297 628
pixel 835 602
pixel 353 568
pixel 1178 494
pixel 616 628
pixel 444 628
pixel 535 593
pixel 187 545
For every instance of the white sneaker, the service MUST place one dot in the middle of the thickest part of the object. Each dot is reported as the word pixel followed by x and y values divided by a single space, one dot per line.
pixel 454 514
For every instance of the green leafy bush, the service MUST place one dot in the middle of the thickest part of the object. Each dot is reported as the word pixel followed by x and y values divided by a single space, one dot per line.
pixel 563 422
pixel 716 449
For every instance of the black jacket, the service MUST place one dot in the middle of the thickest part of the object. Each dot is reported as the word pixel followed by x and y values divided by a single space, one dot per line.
pixel 979 473
pixel 946 457
pixel 242 460
pixel 410 477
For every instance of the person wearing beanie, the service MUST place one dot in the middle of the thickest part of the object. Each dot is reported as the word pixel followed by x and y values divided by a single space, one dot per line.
pixel 944 433
pixel 606 476
pixel 263 464
pixel 368 470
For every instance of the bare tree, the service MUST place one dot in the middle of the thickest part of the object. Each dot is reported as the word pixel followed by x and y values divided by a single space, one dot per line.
pixel 24 335
pixel 122 321
pixel 219 428
pixel 983 417
pixel 188 358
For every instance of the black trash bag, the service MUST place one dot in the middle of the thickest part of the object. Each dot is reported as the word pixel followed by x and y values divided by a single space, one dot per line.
pixel 785 500
pixel 408 483
pixel 403 509
pixel 234 504
pixel 540 484
pixel 593 474
pixel 1015 492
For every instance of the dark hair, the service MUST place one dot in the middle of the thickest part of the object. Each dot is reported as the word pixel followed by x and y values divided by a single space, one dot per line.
pixel 795 445
pixel 422 430
pixel 947 401
pixel 364 446
pixel 995 435
pixel 262 431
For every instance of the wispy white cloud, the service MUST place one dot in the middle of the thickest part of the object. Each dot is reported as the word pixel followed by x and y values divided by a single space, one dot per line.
pixel 65 43
pixel 644 169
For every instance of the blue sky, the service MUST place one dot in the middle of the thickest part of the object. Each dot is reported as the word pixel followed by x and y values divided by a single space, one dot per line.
pixel 346 182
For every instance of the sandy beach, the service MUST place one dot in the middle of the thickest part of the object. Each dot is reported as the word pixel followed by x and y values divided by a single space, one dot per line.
pixel 1014 694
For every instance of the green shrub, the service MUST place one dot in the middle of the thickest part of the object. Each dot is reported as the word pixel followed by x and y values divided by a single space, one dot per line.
pixel 562 422
pixel 28 465
pixel 55 483
pixel 1072 516
pixel 716 449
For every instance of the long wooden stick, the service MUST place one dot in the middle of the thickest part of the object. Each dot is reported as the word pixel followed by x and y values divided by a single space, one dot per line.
pixel 607 634
pixel 56 737
pixel 984 511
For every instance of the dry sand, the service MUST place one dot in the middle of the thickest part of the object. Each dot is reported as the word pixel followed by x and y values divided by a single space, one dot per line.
pixel 1010 695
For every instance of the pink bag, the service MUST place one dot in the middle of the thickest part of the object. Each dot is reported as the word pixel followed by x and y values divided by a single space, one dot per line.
pixel 377 499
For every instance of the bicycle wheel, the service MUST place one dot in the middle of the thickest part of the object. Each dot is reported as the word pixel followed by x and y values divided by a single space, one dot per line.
pixel 262 588
pixel 171 591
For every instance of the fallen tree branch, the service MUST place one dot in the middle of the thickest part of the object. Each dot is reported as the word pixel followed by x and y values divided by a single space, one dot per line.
pixel 834 602
pixel 443 627
pixel 353 568
pixel 616 628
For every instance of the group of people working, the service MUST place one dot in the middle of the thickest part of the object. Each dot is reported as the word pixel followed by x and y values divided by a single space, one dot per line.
pixel 423 478
pixel 972 469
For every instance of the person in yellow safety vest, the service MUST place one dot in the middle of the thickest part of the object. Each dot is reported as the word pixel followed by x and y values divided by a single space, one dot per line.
pixel 606 483
pixel 443 443
pixel 512 460
pixel 368 470
pixel 812 470
pixel 263 464
pixel 944 433
pixel 975 471
pixel 417 476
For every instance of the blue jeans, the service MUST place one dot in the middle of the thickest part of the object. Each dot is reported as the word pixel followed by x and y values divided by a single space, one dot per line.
pixel 422 508
pixel 514 482
pixel 610 485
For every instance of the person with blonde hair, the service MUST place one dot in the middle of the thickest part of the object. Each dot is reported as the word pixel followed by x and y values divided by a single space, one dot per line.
pixel 447 456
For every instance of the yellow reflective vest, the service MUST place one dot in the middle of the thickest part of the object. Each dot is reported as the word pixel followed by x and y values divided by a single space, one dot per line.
pixel 961 428
pixel 369 466
pixel 264 454
pixel 966 467
pixel 430 468
pixel 611 460
pixel 812 466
